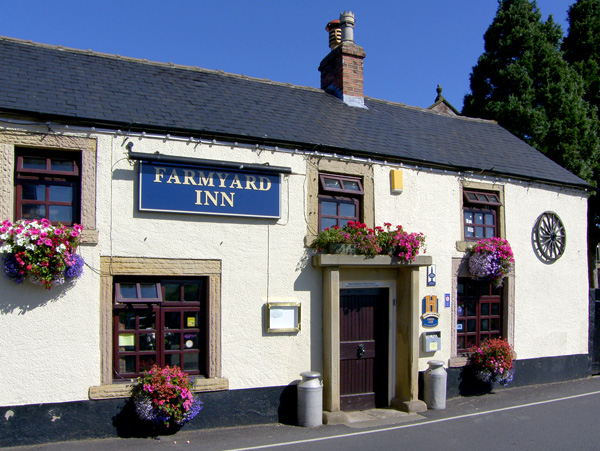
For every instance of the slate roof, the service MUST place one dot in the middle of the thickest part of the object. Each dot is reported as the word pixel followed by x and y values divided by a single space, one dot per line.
pixel 87 88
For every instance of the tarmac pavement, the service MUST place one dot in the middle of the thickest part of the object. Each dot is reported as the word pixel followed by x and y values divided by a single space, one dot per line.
pixel 360 423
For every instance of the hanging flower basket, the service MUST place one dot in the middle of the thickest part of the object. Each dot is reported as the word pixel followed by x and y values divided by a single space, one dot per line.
pixel 163 397
pixel 491 259
pixel 40 253
pixel 493 361
pixel 356 238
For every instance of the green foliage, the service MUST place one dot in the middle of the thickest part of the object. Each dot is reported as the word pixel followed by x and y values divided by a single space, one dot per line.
pixel 523 82
pixel 581 46
pixel 581 49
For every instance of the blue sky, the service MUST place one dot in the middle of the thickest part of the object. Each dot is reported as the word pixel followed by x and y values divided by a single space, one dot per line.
pixel 411 46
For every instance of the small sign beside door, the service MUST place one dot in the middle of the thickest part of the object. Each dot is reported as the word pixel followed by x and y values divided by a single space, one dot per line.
pixel 430 316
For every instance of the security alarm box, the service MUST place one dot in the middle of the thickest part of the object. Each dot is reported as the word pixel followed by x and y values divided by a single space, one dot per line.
pixel 432 341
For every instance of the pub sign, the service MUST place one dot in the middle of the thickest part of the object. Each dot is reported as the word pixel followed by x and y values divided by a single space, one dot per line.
pixel 206 190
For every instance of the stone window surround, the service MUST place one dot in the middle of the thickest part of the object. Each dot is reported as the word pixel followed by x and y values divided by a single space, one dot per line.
pixel 88 149
pixel 317 165
pixel 141 266
pixel 460 269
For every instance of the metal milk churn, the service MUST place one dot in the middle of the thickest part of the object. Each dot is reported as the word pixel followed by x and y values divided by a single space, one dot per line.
pixel 310 400
pixel 435 385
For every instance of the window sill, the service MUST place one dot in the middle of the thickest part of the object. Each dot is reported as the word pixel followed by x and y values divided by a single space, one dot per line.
pixel 89 236
pixel 458 361
pixel 464 246
pixel 114 391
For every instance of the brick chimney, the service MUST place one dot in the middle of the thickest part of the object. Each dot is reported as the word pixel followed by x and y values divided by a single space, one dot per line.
pixel 342 70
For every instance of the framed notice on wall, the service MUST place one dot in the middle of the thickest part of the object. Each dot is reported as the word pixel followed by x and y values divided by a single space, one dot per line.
pixel 282 317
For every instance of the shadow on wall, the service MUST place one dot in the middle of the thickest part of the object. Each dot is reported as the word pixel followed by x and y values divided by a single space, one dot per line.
pixel 310 280
pixel 22 298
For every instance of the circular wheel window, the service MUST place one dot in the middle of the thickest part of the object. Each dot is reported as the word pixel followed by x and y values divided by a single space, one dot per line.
pixel 549 237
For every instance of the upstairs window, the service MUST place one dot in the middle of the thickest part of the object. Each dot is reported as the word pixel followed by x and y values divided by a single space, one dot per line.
pixel 480 214
pixel 47 186
pixel 339 200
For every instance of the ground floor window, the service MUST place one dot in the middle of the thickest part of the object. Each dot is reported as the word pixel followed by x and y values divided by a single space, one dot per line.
pixel 479 313
pixel 160 321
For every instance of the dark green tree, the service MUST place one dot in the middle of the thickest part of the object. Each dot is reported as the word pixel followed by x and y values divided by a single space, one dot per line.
pixel 581 49
pixel 523 82
pixel 581 46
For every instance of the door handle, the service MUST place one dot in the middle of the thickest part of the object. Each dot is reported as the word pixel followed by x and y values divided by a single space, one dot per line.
pixel 360 350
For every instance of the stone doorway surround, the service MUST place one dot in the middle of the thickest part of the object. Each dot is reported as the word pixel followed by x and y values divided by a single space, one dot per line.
pixel 340 268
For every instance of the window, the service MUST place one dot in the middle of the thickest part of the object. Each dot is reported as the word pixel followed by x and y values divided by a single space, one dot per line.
pixel 339 200
pixel 480 214
pixel 47 185
pixel 160 322
pixel 479 313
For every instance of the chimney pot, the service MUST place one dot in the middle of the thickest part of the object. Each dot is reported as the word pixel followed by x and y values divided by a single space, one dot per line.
pixel 347 23
pixel 335 33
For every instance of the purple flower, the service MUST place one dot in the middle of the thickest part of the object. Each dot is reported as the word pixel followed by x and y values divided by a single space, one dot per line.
pixel 12 269
pixel 75 264
pixel 193 410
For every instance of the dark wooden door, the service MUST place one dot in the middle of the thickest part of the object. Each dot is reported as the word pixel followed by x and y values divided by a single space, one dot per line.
pixel 364 324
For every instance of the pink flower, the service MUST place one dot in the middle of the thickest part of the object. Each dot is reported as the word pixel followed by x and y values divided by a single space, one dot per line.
pixel 48 242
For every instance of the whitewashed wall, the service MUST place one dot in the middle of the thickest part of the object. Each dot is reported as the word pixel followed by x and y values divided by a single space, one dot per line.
pixel 551 313
pixel 50 340
pixel 247 247
pixel 551 301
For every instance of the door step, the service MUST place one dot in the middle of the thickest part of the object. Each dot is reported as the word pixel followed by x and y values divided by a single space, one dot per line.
pixel 370 418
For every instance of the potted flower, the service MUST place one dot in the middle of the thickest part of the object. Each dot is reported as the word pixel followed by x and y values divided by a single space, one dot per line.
pixel 399 243
pixel 163 396
pixel 491 259
pixel 356 238
pixel 40 252
pixel 493 361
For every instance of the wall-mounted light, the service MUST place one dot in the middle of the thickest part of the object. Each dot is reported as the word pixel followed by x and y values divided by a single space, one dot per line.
pixel 397 181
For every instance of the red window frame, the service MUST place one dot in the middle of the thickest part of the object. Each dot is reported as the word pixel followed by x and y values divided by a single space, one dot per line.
pixel 484 204
pixel 139 293
pixel 350 185
pixel 47 178
pixel 479 313
pixel 339 218
pixel 175 334
pixel 349 192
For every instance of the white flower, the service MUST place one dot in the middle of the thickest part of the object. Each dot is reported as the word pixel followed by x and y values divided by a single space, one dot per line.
pixel 30 246
pixel 5 248
pixel 61 248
